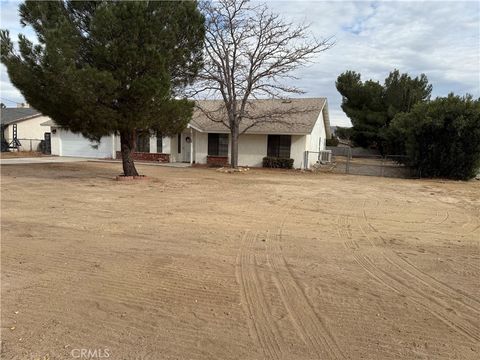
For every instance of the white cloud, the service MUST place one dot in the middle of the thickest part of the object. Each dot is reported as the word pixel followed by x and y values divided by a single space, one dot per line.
pixel 438 38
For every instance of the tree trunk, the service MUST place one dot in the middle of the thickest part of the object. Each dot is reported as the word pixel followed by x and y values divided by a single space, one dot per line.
pixel 127 145
pixel 234 149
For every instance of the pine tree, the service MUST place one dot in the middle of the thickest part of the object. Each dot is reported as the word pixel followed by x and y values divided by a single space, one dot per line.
pixel 103 67
pixel 371 106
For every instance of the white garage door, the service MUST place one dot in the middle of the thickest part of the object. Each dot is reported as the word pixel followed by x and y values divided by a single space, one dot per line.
pixel 76 145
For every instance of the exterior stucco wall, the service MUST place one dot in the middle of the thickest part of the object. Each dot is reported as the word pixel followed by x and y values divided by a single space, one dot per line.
pixel 153 144
pixel 116 141
pixel 30 129
pixel 201 147
pixel 252 149
pixel 166 145
pixel 174 155
pixel 55 142
pixel 316 140
pixel 297 150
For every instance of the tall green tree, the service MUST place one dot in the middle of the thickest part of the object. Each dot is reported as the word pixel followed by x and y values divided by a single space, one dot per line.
pixel 371 106
pixel 103 67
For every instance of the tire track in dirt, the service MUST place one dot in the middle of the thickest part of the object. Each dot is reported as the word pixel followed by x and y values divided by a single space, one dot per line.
pixel 463 300
pixel 260 319
pixel 307 323
pixel 411 283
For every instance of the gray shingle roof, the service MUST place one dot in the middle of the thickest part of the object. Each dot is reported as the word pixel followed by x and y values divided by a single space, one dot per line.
pixel 300 118
pixel 12 115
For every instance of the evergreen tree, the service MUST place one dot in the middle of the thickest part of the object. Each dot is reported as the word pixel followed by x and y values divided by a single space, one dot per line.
pixel 103 67
pixel 371 106
pixel 441 138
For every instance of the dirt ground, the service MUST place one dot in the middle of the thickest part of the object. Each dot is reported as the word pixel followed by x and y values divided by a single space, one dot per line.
pixel 20 154
pixel 197 264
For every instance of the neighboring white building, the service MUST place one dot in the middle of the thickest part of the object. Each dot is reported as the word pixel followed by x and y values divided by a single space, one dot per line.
pixel 26 122
pixel 67 143
pixel 299 136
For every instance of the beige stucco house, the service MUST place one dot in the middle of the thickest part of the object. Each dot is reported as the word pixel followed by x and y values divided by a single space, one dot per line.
pixel 300 135
pixel 27 123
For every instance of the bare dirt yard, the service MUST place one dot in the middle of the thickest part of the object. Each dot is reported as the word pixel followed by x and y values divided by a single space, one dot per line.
pixel 20 154
pixel 197 264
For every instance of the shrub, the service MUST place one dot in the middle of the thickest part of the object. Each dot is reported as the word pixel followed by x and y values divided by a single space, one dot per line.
pixel 276 162
pixel 332 142
pixel 441 138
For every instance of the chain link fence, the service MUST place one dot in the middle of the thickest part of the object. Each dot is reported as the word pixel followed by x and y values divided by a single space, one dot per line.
pixel 343 161
pixel 36 145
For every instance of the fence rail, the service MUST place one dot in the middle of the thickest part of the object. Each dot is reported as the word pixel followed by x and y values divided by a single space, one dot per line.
pixel 28 144
pixel 344 162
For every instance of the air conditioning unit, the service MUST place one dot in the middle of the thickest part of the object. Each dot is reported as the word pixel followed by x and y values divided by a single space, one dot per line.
pixel 325 156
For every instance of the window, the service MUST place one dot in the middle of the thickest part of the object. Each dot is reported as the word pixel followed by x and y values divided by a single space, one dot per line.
pixel 143 141
pixel 279 146
pixel 159 143
pixel 218 144
pixel 179 143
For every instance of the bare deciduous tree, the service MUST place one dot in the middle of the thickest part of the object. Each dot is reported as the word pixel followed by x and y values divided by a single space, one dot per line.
pixel 250 53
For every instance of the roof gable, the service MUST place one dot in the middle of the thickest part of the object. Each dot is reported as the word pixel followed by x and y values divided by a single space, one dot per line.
pixel 12 115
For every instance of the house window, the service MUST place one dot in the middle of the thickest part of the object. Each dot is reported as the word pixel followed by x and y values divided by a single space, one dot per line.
pixel 159 143
pixel 279 146
pixel 143 141
pixel 218 144
pixel 179 143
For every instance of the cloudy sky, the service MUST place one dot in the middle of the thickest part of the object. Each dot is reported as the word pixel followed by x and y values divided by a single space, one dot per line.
pixel 438 38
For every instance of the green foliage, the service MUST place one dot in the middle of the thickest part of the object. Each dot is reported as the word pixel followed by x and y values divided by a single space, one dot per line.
pixel 344 133
pixel 441 138
pixel 332 142
pixel 372 106
pixel 276 162
pixel 102 67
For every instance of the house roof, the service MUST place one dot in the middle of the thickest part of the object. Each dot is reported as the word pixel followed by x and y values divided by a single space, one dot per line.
pixel 12 115
pixel 49 123
pixel 299 116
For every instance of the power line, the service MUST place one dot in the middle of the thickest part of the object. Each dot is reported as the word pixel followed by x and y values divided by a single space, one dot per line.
pixel 21 110
pixel 15 102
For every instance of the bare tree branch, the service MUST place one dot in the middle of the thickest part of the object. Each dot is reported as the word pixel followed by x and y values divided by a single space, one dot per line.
pixel 251 53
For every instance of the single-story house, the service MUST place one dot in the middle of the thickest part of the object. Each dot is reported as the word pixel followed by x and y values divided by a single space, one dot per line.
pixel 26 124
pixel 300 135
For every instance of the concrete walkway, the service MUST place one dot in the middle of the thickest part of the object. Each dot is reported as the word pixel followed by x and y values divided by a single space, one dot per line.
pixel 41 160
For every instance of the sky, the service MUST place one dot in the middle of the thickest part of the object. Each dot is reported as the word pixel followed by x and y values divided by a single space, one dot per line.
pixel 438 38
